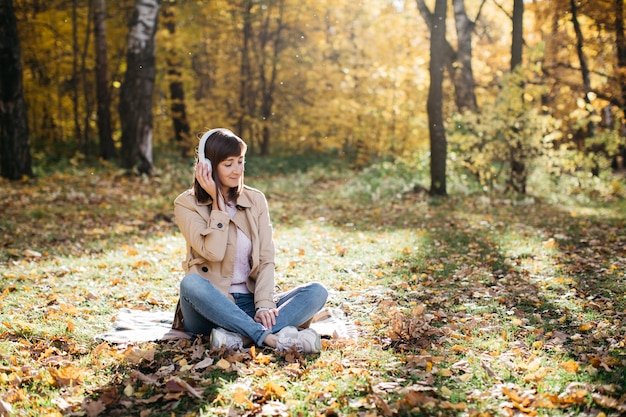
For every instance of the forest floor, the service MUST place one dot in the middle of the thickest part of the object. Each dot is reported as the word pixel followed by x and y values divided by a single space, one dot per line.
pixel 474 305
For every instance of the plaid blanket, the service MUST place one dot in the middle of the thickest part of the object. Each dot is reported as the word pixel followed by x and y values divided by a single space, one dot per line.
pixel 136 326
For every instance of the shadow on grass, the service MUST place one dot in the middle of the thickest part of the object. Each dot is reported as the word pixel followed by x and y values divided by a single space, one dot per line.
pixel 538 278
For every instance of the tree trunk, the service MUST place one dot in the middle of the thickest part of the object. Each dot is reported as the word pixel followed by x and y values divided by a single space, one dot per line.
pixel 517 41
pixel 620 40
pixel 584 67
pixel 182 131
pixel 449 54
pixel 268 83
pixel 103 92
pixel 438 145
pixel 621 49
pixel 87 91
pixel 517 181
pixel 246 103
pixel 15 159
pixel 75 76
pixel 464 76
pixel 138 87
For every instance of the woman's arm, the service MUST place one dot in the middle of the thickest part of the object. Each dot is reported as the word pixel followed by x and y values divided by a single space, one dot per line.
pixel 206 234
pixel 265 283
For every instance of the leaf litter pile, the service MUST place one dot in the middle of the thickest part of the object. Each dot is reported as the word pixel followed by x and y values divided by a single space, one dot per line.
pixel 463 306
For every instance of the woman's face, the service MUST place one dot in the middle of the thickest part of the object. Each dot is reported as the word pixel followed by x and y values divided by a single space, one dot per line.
pixel 230 170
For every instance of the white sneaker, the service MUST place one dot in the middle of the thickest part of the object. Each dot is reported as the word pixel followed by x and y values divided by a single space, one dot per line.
pixel 220 337
pixel 310 340
pixel 286 338
pixel 305 341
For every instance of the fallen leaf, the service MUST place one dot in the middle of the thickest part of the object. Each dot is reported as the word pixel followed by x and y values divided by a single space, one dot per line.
pixel 205 363
pixel 176 384
pixel 223 364
pixel 69 375
pixel 570 366
pixel 135 355
pixel 93 408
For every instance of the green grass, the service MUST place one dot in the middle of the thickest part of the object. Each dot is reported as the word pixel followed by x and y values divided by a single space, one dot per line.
pixel 466 305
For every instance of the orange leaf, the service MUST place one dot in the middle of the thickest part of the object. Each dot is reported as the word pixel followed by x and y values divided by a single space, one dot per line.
pixel 273 390
pixel 241 397
pixel 586 327
pixel 70 375
pixel 513 395
pixel 535 376
pixel 570 366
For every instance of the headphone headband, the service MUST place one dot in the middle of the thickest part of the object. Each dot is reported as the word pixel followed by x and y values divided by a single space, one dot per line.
pixel 202 144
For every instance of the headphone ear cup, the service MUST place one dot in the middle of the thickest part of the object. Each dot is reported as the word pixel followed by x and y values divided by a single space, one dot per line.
pixel 201 145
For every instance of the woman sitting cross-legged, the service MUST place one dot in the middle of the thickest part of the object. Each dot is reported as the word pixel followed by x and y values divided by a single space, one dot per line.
pixel 228 289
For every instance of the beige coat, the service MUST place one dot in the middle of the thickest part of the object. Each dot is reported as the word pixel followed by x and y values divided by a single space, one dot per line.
pixel 211 238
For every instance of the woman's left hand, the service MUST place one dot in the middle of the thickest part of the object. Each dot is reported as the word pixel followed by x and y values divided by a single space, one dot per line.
pixel 266 317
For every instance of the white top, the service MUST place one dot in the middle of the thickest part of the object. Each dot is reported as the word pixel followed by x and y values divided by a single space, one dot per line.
pixel 242 259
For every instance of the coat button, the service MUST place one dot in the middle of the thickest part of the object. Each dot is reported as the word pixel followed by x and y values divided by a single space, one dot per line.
pixel 220 225
pixel 205 269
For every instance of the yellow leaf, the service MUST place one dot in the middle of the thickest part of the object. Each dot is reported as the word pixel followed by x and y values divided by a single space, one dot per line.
pixel 445 372
pixel 136 355
pixel 241 397
pixel 586 327
pixel 273 390
pixel 70 375
pixel 446 391
pixel 129 390
pixel 570 366
pixel 578 396
pixel 465 377
pixel 535 376
pixel 512 394
pixel 223 364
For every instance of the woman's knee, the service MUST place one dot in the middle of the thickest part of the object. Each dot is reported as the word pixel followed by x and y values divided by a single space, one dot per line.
pixel 319 290
pixel 190 282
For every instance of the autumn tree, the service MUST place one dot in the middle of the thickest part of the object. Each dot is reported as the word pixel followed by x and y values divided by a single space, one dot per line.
pixel 620 41
pixel 103 92
pixel 173 61
pixel 136 94
pixel 463 75
pixel 457 62
pixel 517 149
pixel 584 66
pixel 438 144
pixel 517 34
pixel 15 158
pixel 264 33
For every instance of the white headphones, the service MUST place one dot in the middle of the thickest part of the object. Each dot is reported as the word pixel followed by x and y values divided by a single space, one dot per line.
pixel 201 158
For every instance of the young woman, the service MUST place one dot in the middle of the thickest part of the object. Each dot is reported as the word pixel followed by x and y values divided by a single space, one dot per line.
pixel 228 289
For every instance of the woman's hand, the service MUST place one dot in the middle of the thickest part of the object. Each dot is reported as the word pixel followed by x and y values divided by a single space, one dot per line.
pixel 267 317
pixel 204 177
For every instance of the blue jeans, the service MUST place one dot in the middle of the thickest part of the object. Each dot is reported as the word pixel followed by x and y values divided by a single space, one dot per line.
pixel 204 307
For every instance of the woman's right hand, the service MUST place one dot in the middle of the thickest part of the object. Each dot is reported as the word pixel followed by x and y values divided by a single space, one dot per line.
pixel 204 177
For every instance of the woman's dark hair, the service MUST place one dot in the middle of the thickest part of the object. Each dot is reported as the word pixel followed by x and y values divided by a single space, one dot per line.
pixel 220 144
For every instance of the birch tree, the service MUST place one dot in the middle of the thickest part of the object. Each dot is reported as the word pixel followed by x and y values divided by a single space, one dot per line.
pixel 137 89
